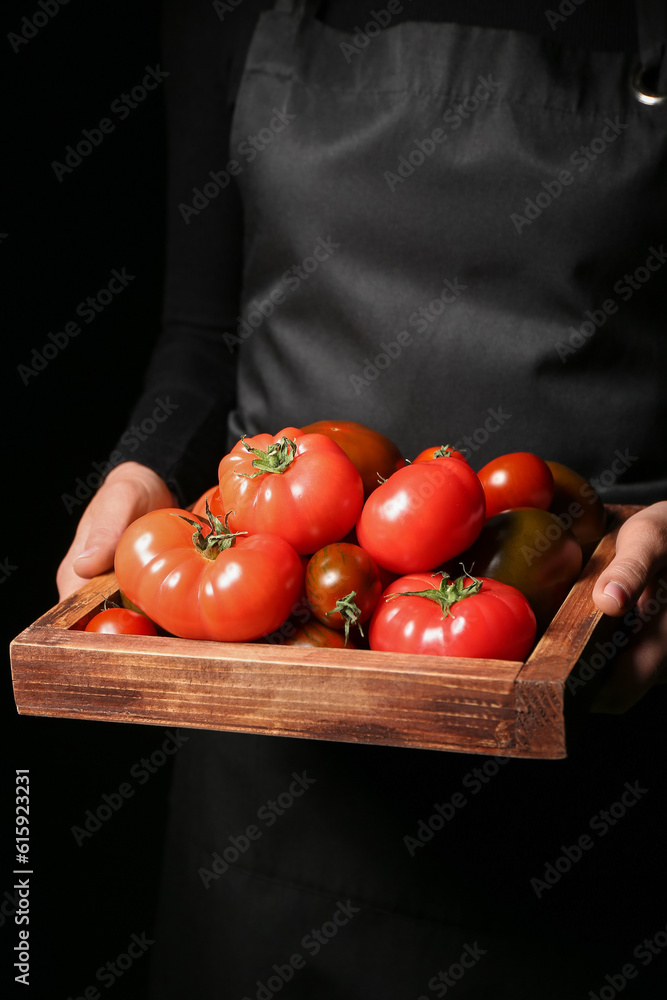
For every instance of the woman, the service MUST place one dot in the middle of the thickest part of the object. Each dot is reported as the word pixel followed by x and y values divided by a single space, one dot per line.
pixel 442 225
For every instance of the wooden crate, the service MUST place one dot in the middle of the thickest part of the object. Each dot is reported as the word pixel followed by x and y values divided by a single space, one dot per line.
pixel 473 706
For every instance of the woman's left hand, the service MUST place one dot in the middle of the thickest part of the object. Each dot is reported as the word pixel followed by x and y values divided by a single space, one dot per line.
pixel 634 587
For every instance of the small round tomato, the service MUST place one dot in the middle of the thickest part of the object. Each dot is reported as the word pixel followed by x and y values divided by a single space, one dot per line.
pixel 578 506
pixel 430 613
pixel 214 502
pixel 423 515
pixel 301 487
pixel 519 479
pixel 121 621
pixel 439 451
pixel 343 586
pixel 532 550
pixel 373 454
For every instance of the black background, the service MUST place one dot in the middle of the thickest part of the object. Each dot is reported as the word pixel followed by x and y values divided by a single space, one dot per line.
pixel 62 241
pixel 63 238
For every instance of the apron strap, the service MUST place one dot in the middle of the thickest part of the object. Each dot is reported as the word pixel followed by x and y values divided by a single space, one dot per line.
pixel 649 82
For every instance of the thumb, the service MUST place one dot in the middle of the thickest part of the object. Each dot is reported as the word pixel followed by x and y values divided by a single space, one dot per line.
pixel 641 552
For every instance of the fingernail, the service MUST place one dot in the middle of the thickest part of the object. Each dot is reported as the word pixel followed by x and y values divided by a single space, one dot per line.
pixel 618 592
pixel 88 552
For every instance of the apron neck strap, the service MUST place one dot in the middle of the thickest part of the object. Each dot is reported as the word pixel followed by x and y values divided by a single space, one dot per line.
pixel 649 84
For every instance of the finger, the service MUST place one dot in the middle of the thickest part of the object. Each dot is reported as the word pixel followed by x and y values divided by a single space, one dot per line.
pixel 641 552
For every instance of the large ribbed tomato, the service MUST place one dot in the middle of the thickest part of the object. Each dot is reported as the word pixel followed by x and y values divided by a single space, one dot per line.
pixel 302 487
pixel 207 583
pixel 423 515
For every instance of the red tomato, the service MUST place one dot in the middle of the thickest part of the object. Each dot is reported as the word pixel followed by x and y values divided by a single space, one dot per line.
pixel 423 515
pixel 302 487
pixel 316 634
pixel 465 617
pixel 373 454
pixel 439 451
pixel 519 479
pixel 214 502
pixel 342 586
pixel 121 621
pixel 208 584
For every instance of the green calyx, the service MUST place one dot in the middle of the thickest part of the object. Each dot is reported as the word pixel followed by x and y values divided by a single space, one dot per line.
pixel 448 593
pixel 218 539
pixel 277 458
pixel 444 451
pixel 349 611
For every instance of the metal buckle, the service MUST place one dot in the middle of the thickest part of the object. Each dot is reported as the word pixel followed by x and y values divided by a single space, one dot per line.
pixel 644 96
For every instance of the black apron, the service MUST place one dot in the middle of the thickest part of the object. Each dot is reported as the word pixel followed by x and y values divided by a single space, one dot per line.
pixel 451 234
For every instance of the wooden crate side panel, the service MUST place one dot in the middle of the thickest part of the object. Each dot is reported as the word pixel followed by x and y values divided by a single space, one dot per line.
pixel 453 705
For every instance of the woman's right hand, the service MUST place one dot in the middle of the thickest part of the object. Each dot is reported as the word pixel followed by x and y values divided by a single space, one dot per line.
pixel 128 491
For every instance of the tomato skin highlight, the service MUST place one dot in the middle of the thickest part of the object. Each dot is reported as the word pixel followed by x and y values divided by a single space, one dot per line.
pixel 121 621
pixel 314 501
pixel 497 623
pixel 518 479
pixel 373 454
pixel 245 592
pixel 335 571
pixel 422 516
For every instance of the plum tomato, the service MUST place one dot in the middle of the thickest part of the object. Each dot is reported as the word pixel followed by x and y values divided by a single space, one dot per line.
pixel 343 586
pixel 373 454
pixel 532 550
pixel 432 614
pixel 121 621
pixel 519 479
pixel 421 516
